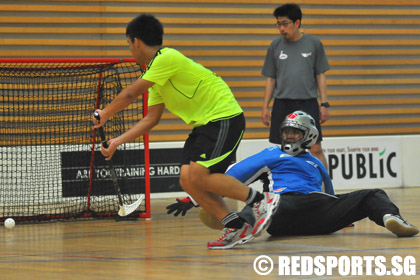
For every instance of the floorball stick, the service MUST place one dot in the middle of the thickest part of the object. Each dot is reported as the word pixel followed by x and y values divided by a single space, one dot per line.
pixel 124 208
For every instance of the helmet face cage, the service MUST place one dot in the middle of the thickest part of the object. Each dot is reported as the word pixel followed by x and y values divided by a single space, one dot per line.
pixel 305 123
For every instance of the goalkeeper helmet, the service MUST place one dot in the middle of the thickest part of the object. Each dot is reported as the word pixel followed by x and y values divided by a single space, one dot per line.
pixel 298 132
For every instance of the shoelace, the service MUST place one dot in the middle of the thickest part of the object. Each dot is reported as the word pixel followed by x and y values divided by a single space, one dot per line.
pixel 257 208
pixel 225 233
pixel 404 220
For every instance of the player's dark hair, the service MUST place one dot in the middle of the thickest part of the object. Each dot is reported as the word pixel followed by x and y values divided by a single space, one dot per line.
pixel 146 28
pixel 291 10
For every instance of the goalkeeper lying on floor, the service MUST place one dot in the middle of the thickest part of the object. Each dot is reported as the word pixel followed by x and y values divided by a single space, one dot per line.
pixel 298 177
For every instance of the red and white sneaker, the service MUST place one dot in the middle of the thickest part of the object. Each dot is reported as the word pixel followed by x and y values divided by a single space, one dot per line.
pixel 232 237
pixel 263 211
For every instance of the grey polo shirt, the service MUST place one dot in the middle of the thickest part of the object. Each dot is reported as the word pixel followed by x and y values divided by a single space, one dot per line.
pixel 295 65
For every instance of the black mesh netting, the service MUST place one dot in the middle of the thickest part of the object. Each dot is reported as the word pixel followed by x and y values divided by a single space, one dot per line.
pixel 50 163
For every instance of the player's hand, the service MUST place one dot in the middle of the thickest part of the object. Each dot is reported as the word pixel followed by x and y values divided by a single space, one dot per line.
pixel 99 120
pixel 109 149
pixel 181 205
pixel 265 117
pixel 324 114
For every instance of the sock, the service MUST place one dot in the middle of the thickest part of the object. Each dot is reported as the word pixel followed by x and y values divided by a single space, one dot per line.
pixel 232 221
pixel 253 197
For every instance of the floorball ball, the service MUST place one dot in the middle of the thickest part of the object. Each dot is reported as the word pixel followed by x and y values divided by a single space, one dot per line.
pixel 9 223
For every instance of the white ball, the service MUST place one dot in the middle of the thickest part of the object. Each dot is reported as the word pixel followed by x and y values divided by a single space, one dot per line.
pixel 9 223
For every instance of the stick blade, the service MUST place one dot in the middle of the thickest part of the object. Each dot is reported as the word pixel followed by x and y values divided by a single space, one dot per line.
pixel 121 212
pixel 128 209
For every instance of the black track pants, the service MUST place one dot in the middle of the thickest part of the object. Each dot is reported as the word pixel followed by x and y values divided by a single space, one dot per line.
pixel 319 213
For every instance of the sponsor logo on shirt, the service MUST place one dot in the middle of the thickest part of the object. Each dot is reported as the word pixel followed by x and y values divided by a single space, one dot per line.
pixel 282 55
pixel 312 163
pixel 306 54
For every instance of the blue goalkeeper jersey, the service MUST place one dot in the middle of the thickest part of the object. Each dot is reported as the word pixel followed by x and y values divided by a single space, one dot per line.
pixel 303 173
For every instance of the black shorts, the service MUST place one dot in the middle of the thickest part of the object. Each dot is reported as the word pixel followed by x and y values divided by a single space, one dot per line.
pixel 214 145
pixel 284 107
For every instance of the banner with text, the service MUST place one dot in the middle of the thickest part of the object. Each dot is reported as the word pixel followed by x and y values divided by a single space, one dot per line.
pixel 129 168
pixel 361 163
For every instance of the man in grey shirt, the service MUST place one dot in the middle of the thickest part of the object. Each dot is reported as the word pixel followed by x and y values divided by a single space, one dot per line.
pixel 295 67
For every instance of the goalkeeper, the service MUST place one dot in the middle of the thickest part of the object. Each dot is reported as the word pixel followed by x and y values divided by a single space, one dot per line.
pixel 298 177
pixel 204 101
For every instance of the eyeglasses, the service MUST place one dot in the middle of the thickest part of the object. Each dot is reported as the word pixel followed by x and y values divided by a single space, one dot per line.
pixel 283 23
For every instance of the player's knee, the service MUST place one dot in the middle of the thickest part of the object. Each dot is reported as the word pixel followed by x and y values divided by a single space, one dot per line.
pixel 378 192
pixel 189 182
pixel 197 181
pixel 198 176
pixel 185 182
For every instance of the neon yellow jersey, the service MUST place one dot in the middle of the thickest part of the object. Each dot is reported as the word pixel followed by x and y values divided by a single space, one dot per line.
pixel 189 90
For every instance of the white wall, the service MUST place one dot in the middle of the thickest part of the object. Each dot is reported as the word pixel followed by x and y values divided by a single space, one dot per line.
pixel 399 154
pixel 405 163
pixel 402 152
pixel 410 146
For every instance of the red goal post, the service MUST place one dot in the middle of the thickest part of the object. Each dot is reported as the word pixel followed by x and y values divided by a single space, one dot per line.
pixel 50 162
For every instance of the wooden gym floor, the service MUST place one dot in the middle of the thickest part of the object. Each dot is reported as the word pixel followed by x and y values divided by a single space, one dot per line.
pixel 175 248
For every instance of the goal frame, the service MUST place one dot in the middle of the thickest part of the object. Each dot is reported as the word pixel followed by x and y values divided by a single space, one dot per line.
pixel 147 213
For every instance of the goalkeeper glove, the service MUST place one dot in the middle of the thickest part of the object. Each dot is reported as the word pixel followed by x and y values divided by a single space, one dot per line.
pixel 181 205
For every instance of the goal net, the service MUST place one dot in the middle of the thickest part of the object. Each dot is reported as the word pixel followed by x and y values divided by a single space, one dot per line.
pixel 50 161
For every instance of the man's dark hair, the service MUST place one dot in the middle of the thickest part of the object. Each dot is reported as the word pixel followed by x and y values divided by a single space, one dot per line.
pixel 292 11
pixel 146 28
